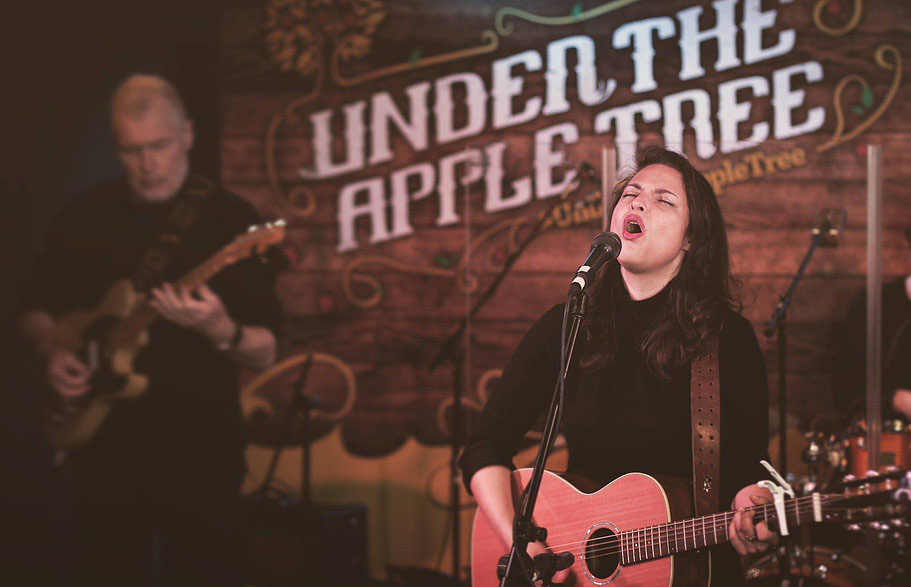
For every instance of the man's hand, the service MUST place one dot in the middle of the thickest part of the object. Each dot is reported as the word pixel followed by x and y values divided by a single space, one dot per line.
pixel 747 538
pixel 901 402
pixel 67 375
pixel 200 310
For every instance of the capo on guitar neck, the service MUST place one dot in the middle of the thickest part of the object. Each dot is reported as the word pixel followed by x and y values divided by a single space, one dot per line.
pixel 778 493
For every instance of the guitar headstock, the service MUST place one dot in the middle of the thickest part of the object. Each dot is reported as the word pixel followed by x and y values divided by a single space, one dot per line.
pixel 878 496
pixel 257 239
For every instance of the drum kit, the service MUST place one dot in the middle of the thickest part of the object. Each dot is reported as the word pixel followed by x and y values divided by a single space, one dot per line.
pixel 835 554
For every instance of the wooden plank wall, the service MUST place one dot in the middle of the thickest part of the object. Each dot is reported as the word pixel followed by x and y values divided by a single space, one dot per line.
pixel 387 347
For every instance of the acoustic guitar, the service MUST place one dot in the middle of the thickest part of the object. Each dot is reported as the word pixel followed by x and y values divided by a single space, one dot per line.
pixel 633 531
pixel 108 337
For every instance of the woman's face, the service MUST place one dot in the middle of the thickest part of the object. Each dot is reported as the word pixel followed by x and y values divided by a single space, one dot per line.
pixel 651 218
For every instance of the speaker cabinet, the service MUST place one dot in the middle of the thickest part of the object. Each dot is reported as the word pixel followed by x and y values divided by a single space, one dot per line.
pixel 291 546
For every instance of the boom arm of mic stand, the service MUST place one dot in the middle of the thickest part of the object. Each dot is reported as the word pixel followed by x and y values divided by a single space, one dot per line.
pixel 777 324
pixel 524 531
pixel 297 398
pixel 448 348
pixel 785 300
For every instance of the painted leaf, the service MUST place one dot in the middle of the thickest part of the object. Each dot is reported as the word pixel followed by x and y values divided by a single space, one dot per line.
pixel 866 97
pixel 354 46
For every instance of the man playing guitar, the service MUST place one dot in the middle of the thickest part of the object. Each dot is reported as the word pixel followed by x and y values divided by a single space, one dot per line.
pixel 155 491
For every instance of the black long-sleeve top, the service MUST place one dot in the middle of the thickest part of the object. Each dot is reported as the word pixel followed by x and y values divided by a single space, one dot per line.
pixel 627 418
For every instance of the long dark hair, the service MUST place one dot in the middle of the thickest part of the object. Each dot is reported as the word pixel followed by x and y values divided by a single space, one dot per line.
pixel 698 296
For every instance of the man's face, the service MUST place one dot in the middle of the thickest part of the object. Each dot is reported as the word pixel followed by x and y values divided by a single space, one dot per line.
pixel 154 150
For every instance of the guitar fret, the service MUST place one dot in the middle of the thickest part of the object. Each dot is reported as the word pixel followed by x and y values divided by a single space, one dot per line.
pixel 705 535
pixel 660 552
pixel 676 546
pixel 622 549
pixel 651 539
pixel 639 544
pixel 694 535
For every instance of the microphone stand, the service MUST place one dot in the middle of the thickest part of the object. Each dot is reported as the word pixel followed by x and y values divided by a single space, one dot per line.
pixel 451 350
pixel 524 530
pixel 776 326
pixel 306 404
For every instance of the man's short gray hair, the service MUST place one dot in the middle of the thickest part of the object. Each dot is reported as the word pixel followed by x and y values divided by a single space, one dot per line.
pixel 135 95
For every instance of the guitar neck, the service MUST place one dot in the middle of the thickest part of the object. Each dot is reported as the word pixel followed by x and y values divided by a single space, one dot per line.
pixel 695 533
pixel 144 315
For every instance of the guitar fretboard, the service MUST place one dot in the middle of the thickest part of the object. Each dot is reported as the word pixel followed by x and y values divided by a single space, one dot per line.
pixel 653 542
pixel 143 315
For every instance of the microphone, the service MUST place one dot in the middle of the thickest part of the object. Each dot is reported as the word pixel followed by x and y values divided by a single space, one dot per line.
pixel 829 224
pixel 605 248
pixel 585 169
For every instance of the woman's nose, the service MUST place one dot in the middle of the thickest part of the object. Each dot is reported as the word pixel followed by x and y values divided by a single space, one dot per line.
pixel 638 203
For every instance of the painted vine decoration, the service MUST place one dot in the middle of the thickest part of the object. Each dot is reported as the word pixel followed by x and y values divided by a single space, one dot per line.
pixel 251 402
pixel 834 7
pixel 298 34
pixel 888 58
pixel 577 14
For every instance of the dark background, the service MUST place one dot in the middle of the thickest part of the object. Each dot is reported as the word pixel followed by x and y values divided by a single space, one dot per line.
pixel 60 65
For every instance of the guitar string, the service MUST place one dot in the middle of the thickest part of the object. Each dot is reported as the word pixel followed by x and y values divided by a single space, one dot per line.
pixel 684 527
pixel 638 554
pixel 644 546
pixel 790 506
pixel 650 542
pixel 647 536
pixel 641 552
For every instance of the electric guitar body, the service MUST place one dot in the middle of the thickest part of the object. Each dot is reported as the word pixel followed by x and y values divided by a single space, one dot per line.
pixel 72 424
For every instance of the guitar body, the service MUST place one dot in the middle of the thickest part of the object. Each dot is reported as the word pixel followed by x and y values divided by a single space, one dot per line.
pixel 574 518
pixel 72 424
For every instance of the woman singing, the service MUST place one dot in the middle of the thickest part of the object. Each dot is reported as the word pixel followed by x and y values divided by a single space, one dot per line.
pixel 628 391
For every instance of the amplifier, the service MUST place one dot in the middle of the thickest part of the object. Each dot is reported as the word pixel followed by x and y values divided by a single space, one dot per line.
pixel 321 545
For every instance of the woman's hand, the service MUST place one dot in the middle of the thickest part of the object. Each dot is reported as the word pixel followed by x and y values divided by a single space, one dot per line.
pixel 746 537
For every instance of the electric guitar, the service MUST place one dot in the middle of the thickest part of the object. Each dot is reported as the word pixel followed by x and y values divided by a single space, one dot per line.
pixel 108 337
pixel 633 531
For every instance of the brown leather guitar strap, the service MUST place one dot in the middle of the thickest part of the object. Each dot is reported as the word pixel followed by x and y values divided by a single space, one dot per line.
pixel 164 245
pixel 705 412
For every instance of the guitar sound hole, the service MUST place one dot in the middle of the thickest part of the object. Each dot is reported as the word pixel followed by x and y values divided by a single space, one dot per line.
pixel 602 553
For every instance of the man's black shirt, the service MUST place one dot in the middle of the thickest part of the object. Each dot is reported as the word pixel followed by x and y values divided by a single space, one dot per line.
pixel 189 418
